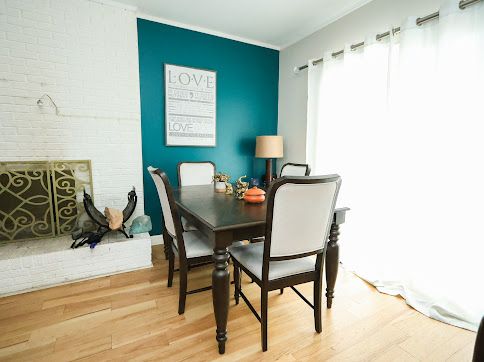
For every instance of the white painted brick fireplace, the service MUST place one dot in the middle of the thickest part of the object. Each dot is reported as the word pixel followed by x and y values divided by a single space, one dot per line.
pixel 34 264
pixel 84 55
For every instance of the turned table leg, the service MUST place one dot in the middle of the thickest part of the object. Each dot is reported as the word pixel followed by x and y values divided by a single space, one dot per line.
pixel 220 294
pixel 332 262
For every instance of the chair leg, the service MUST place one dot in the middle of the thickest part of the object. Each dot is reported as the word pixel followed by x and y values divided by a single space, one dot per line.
pixel 166 244
pixel 183 289
pixel 264 295
pixel 318 291
pixel 237 283
pixel 171 269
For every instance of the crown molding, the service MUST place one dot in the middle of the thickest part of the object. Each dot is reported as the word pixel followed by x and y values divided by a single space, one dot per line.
pixel 329 21
pixel 141 15
pixel 206 31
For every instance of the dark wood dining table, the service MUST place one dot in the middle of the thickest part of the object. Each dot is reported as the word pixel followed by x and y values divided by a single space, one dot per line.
pixel 224 219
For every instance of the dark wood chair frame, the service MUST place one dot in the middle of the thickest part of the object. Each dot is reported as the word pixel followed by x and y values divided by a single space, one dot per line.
pixel 478 355
pixel 182 162
pixel 185 263
pixel 267 285
pixel 308 169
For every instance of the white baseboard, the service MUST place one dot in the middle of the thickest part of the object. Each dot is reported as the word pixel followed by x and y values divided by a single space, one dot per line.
pixel 156 239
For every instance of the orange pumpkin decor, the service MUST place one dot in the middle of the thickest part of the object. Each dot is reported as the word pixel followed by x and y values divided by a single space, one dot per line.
pixel 255 195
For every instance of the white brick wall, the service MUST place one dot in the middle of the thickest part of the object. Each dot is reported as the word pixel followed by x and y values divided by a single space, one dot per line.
pixel 28 265
pixel 84 54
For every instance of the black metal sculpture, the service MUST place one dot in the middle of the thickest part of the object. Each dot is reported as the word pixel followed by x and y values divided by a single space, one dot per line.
pixel 94 237
pixel 89 237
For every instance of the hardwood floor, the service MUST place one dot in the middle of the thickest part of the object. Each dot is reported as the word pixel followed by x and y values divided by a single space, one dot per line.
pixel 133 316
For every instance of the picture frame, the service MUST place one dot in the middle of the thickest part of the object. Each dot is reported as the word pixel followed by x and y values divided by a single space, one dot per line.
pixel 190 106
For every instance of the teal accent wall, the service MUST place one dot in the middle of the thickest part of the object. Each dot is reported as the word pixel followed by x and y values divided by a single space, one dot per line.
pixel 247 102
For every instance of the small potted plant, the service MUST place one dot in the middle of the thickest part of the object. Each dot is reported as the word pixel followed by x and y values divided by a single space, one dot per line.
pixel 220 180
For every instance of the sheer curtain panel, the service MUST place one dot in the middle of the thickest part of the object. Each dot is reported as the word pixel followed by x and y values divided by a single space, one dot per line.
pixel 409 110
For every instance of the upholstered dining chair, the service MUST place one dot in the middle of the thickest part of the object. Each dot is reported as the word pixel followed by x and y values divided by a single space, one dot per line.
pixel 289 169
pixel 192 247
pixel 295 169
pixel 299 215
pixel 193 173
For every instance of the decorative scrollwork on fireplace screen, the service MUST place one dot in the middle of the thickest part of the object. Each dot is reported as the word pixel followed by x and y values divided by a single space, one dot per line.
pixel 40 199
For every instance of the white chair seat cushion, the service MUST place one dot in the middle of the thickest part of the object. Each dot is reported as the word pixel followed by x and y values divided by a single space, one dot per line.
pixel 187 226
pixel 251 255
pixel 197 244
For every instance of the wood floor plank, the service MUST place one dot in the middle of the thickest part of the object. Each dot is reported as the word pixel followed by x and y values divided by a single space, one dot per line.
pixel 376 344
pixel 30 353
pixel 15 339
pixel 14 308
pixel 452 347
pixel 336 340
pixel 463 354
pixel 33 347
pixel 428 338
pixel 29 322
pixel 133 316
pixel 58 291
pixel 150 292
pixel 73 310
pixel 395 354
pixel 141 350
pixel 92 294
pixel 72 347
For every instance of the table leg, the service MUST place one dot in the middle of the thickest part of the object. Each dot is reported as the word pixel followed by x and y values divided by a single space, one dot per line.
pixel 220 294
pixel 332 262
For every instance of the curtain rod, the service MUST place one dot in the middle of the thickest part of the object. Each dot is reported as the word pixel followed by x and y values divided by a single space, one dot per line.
pixel 462 4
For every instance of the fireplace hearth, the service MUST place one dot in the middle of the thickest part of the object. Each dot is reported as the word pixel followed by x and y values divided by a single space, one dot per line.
pixel 41 203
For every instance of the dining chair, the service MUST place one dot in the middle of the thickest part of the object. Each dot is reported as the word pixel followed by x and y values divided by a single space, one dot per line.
pixel 192 247
pixel 299 216
pixel 192 173
pixel 295 169
pixel 195 173
pixel 289 169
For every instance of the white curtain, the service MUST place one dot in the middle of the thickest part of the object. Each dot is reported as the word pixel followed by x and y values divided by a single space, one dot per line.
pixel 401 120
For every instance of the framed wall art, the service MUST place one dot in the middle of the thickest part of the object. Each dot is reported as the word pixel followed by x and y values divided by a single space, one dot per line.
pixel 190 106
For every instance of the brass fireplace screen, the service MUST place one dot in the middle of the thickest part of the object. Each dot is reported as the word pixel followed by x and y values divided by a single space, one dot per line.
pixel 40 199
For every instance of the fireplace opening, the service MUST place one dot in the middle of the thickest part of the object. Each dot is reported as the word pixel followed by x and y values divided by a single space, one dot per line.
pixel 40 199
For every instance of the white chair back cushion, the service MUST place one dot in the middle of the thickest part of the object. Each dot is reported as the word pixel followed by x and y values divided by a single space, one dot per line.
pixel 302 217
pixel 165 205
pixel 292 170
pixel 196 173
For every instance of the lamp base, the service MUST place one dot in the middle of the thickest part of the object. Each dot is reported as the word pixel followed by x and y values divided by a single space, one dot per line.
pixel 268 177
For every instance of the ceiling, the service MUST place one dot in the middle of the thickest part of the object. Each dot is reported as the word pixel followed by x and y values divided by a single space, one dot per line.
pixel 271 23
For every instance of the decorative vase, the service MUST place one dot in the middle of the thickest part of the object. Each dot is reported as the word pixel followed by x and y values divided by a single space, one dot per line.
pixel 220 186
pixel 240 188
pixel 255 195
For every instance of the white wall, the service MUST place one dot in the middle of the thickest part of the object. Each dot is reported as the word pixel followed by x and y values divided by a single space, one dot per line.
pixel 84 54
pixel 375 17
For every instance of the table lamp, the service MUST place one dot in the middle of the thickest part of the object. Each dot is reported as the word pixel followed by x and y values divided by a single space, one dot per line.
pixel 268 147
